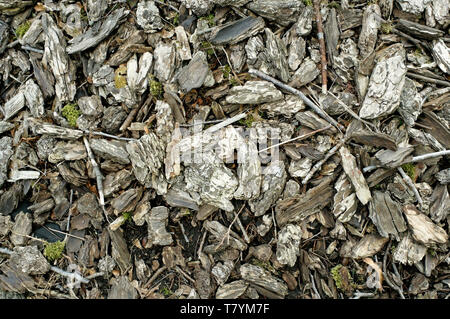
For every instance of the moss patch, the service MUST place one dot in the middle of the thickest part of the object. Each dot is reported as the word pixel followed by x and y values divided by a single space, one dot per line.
pixel 342 278
pixel 410 170
pixel 71 113
pixel 386 28
pixel 53 251
pixel 22 29
pixel 247 121
pixel 156 88
pixel 120 78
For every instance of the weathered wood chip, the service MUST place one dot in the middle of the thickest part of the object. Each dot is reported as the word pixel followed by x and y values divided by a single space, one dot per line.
pixel 355 176
pixel 423 229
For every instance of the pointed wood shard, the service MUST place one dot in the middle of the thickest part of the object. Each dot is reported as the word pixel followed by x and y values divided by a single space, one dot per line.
pixel 355 176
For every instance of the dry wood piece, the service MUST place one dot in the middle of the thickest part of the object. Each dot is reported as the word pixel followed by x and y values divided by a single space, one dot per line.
pixel 186 149
pixel 355 175
pixel 386 215
pixel 300 207
pixel 422 228
pixel 262 278
pixel 386 83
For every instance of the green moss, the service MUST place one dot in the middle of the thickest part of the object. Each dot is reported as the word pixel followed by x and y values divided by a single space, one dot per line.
pixel 166 291
pixel 120 77
pixel 410 170
pixel 247 121
pixel 176 19
pixel 334 4
pixel 386 28
pixel 22 29
pixel 71 113
pixel 226 70
pixel 210 19
pixel 156 88
pixel 265 265
pixel 53 251
pixel 337 273
pixel 308 3
pixel 209 48
pixel 127 216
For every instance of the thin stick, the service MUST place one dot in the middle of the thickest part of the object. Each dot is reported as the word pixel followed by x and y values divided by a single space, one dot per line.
pixel 227 122
pixel 305 99
pixel 201 244
pixel 97 172
pixel 428 79
pixel 386 278
pixel 301 137
pixel 155 275
pixel 27 47
pixel 68 216
pixel 247 240
pixel 167 5
pixel 201 123
pixel 350 111
pixel 76 277
pixel 321 38
pixel 231 66
pixel 67 234
pixel 319 164
pixel 128 120
pixel 227 234
pixel 314 286
pixel 358 294
pixel 410 183
pixel 182 231
pixel 184 274
pixel 413 160
pixel 108 135
pixel 274 224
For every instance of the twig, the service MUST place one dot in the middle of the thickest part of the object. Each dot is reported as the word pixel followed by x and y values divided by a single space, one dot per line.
pixel 97 274
pixel 182 231
pixel 350 111
pixel 108 135
pixel 418 43
pixel 274 224
pixel 201 123
pixel 68 216
pixel 358 294
pixel 67 234
pixel 429 155
pixel 386 278
pixel 428 79
pixel 305 99
pixel 5 251
pixel 242 228
pixel 227 234
pixel 319 164
pixel 301 137
pixel 227 122
pixel 27 47
pixel 97 172
pixel 231 66
pixel 155 275
pixel 410 183
pixel 73 276
pixel 413 160
pixel 314 286
pixel 201 243
pixel 167 5
pixel 321 38
pixel 128 120
pixel 184 274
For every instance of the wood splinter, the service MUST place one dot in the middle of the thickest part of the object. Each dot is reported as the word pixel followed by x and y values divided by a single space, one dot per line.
pixel 321 38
